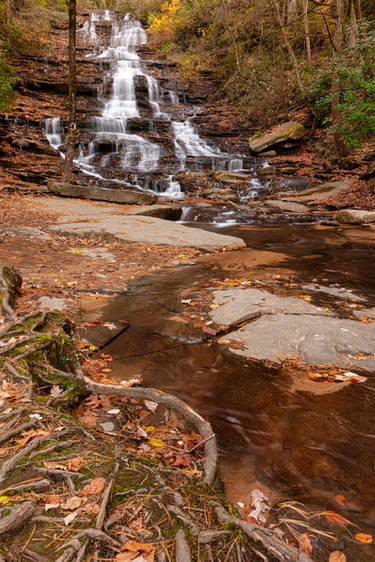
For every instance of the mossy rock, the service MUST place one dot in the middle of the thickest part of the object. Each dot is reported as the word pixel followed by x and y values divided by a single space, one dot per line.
pixel 290 131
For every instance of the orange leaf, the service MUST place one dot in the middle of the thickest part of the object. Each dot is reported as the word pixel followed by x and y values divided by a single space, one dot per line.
pixel 337 556
pixel 336 518
pixel 362 537
pixel 305 543
pixel 94 487
pixel 341 500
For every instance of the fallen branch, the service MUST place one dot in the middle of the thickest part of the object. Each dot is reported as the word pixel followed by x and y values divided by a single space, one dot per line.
pixel 174 403
pixel 16 431
pixel 283 551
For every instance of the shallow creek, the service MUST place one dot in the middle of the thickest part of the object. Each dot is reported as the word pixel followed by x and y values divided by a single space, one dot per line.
pixel 277 430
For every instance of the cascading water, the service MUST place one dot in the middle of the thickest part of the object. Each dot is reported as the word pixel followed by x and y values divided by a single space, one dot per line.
pixel 117 153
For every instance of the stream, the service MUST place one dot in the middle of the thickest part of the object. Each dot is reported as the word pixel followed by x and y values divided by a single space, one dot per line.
pixel 277 430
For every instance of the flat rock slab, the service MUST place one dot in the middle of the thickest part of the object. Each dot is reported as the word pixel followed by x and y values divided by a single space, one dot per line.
pixel 339 292
pixel 27 232
pixel 151 230
pixel 90 217
pixel 355 216
pixel 236 304
pixel 103 334
pixel 287 206
pixel 321 191
pixel 128 196
pixel 284 329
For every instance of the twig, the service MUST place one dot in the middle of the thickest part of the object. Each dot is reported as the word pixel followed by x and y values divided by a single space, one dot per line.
pixel 33 350
pixel 201 443
pixel 107 493
pixel 59 445
pixel 16 431
pixel 18 343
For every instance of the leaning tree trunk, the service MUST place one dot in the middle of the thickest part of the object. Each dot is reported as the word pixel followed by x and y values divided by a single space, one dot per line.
pixel 72 95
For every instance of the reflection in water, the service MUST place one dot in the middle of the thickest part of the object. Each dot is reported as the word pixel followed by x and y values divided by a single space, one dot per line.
pixel 301 445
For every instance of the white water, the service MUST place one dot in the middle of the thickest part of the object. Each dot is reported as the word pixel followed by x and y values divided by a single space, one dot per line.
pixel 132 157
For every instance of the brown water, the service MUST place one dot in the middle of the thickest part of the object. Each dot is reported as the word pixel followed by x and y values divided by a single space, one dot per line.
pixel 276 430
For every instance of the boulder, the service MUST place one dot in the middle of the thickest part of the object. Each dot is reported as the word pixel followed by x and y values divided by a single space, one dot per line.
pixel 355 216
pixel 290 131
pixel 129 196
pixel 230 177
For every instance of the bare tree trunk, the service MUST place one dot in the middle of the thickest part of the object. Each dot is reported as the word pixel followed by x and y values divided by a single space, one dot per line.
pixel 335 111
pixel 353 25
pixel 72 95
pixel 307 31
pixel 290 49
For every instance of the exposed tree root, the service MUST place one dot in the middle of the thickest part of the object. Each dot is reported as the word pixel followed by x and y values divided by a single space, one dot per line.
pixel 17 517
pixel 283 551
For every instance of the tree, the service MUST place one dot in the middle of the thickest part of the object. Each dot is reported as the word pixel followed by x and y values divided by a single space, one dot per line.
pixel 335 91
pixel 72 95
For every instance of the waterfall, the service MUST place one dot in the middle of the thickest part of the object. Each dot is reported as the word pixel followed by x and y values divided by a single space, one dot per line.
pixel 115 150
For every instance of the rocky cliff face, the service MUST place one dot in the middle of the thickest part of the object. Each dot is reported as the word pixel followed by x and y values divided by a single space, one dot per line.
pixel 28 162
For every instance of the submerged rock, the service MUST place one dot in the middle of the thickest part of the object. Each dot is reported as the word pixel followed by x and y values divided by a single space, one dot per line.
pixel 290 131
pixel 355 216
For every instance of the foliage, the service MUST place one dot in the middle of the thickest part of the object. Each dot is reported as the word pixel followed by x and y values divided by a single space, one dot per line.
pixel 23 28
pixel 7 79
pixel 355 69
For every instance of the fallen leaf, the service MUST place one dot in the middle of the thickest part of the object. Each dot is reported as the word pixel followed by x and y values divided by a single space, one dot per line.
pixel 305 543
pixel 76 463
pixel 336 518
pixel 337 556
pixel 362 537
pixel 69 518
pixel 341 500
pixel 72 503
pixel 94 487
pixel 156 443
pixel 55 391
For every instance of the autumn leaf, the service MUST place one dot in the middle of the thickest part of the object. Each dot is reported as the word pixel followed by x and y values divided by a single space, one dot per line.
pixel 305 543
pixel 336 518
pixel 76 463
pixel 156 443
pixel 341 500
pixel 94 487
pixel 337 556
pixel 362 537
pixel 72 503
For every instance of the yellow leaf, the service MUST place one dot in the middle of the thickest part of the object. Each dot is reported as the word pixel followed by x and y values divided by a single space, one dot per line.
pixel 4 499
pixel 150 428
pixel 77 252
pixel 93 348
pixel 156 443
